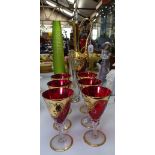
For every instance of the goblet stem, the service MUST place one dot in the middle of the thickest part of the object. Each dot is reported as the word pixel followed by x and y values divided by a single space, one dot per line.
pixel 95 133
pixel 61 135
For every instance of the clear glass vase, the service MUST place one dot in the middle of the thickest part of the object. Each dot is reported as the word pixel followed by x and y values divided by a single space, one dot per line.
pixel 72 72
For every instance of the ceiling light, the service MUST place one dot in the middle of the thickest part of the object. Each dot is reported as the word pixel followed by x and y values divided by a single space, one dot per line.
pixel 96 14
pixel 51 3
pixel 60 9
pixel 71 1
pixel 67 12
pixel 94 20
pixel 105 6
pixel 74 5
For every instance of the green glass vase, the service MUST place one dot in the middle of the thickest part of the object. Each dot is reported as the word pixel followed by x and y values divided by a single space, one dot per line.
pixel 58 50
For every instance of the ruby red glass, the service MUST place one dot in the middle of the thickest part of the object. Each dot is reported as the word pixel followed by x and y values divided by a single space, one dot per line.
pixel 98 93
pixel 88 81
pixel 96 98
pixel 58 103
pixel 59 83
pixel 61 76
pixel 62 116
pixel 87 74
pixel 57 93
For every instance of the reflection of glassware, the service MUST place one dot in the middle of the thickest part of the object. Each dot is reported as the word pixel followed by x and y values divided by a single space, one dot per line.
pixel 57 84
pixel 58 104
pixel 86 121
pixel 96 98
pixel 82 75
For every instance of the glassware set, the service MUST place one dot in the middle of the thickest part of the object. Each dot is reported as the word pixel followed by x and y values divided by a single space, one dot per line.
pixel 58 99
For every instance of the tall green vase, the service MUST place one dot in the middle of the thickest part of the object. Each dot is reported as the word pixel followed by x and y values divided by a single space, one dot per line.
pixel 58 50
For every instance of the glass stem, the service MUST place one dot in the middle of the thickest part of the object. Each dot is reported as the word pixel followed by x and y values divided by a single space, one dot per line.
pixel 95 123
pixel 61 135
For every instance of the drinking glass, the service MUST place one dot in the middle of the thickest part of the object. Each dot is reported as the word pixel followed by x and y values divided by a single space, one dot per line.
pixel 82 75
pixel 58 104
pixel 96 98
pixel 64 76
pixel 86 121
pixel 61 76
pixel 58 84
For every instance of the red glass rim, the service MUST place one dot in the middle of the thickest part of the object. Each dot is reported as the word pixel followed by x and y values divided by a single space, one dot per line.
pixel 87 74
pixel 96 91
pixel 59 83
pixel 89 81
pixel 57 93
pixel 61 76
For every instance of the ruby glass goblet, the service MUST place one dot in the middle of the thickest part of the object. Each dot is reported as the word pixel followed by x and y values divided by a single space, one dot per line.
pixel 64 76
pixel 96 98
pixel 58 84
pixel 82 75
pixel 58 104
pixel 86 121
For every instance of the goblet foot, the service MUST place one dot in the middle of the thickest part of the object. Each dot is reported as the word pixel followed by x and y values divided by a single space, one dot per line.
pixel 83 109
pixel 94 140
pixel 67 125
pixel 86 122
pixel 61 145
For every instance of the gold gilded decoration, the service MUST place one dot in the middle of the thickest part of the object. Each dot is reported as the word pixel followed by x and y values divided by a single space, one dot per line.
pixel 91 101
pixel 60 78
pixel 78 59
pixel 81 58
pixel 82 109
pixel 58 106
pixel 51 87
pixel 55 107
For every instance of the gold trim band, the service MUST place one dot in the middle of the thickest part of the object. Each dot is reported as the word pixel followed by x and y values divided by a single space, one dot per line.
pixel 94 145
pixel 61 150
